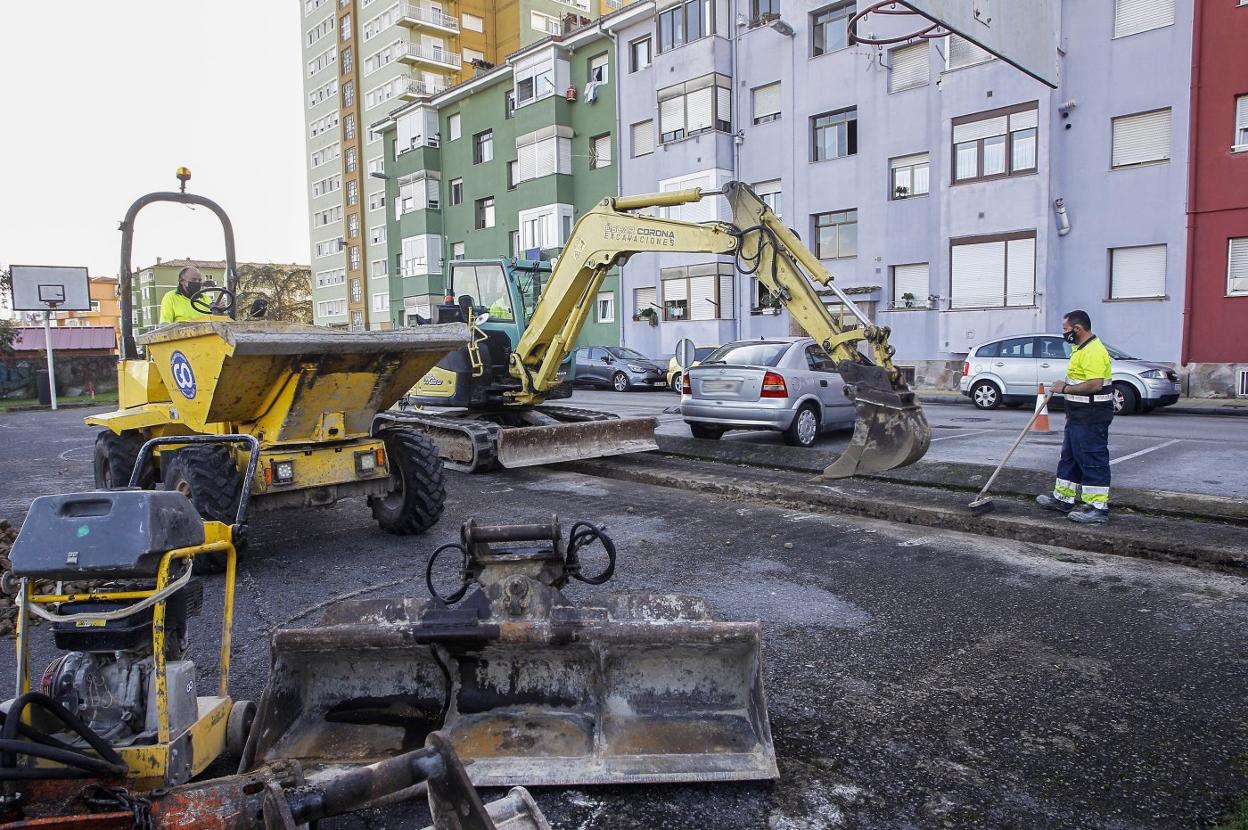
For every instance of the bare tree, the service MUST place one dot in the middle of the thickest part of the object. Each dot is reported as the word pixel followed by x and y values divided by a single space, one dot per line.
pixel 286 288
pixel 8 328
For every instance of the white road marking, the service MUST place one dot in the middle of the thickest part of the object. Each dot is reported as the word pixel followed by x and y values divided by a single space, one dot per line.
pixel 962 435
pixel 72 449
pixel 1146 451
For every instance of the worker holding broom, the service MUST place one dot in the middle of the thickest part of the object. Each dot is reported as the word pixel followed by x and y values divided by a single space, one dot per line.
pixel 1082 487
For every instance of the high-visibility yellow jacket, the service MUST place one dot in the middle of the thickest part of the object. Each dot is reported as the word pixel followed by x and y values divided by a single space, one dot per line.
pixel 176 308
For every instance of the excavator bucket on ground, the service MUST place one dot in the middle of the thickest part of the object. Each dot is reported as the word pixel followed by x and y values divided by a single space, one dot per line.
pixel 531 687
pixel 890 429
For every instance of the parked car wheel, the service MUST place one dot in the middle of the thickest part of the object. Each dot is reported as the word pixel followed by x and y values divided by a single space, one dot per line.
pixel 805 427
pixel 620 382
pixel 709 433
pixel 1126 399
pixel 675 384
pixel 985 395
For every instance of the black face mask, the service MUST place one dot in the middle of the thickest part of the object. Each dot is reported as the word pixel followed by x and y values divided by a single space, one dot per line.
pixel 1071 337
pixel 191 288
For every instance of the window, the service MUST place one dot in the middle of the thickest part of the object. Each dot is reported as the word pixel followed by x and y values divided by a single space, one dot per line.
pixel 1137 272
pixel 908 66
pixel 331 308
pixel 544 152
pixel 345 27
pixel 545 23
pixel 326 185
pixel 644 299
pixel 547 226
pixel 357 321
pixel 353 192
pixel 769 192
pixel 1143 138
pixel 310 6
pixel 600 152
pixel 909 176
pixel 353 226
pixel 377 234
pixel 834 135
pixel 334 276
pixel 378 268
pixel 328 247
pixel 417 191
pixel 509 104
pixel 643 138
pixel 326 154
pixel 473 56
pixel 420 255
pixel 377 201
pixel 323 93
pixel 910 286
pixel 763 11
pixel 381 302
pixel 960 52
pixel 384 56
pixel 698 292
pixel 377 165
pixel 836 234
pixel 1237 266
pixel 536 79
pixel 457 191
pixel 327 58
pixel 684 23
pixel 994 144
pixel 598 68
pixel 323 125
pixel 348 127
pixel 348 93
pixel 381 22
pixel 829 29
pixel 483 147
pixel 513 244
pixel 694 107
pixel 485 212
pixel 606 307
pixel 993 272
pixel 355 259
pixel 1241 124
pixel 351 159
pixel 319 30
pixel 452 126
pixel 640 53
pixel 472 23
pixel 1134 16
pixel 346 60
pixel 457 250
pixel 766 103
pixel 329 216
pixel 513 171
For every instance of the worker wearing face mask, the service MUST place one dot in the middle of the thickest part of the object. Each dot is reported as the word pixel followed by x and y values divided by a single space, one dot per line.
pixel 175 306
pixel 1082 487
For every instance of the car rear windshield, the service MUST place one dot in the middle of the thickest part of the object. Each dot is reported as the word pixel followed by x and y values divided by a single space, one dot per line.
pixel 702 352
pixel 761 353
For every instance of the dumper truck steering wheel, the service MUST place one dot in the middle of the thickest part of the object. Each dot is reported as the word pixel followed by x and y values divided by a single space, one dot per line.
pixel 222 304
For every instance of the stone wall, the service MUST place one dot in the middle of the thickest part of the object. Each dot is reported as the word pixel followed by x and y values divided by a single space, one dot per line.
pixel 935 374
pixel 73 374
pixel 1211 380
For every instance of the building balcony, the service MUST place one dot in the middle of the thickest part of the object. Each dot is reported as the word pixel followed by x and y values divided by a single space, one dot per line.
pixel 420 88
pixel 418 15
pixel 431 56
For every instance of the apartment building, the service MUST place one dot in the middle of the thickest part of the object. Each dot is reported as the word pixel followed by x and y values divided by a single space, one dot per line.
pixel 105 306
pixel 953 197
pixel 361 59
pixel 522 152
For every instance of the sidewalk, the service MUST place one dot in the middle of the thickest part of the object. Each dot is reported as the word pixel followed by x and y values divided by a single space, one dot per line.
pixel 1185 406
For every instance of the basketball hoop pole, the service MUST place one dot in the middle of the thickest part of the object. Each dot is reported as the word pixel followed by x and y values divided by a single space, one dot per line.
pixel 47 343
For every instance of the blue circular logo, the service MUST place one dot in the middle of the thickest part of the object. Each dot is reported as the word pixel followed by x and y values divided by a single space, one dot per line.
pixel 183 377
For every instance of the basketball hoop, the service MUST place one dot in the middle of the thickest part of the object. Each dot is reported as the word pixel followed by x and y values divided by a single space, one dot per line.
pixel 933 30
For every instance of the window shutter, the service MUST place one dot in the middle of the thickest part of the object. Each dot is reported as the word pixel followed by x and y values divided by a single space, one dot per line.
pixel 978 275
pixel 1241 120
pixel 727 302
pixel 910 67
pixel 602 150
pixel 976 130
pixel 545 158
pixel 1131 16
pixel 563 146
pixel 699 105
pixel 910 279
pixel 703 211
pixel 723 101
pixel 702 298
pixel 643 138
pixel 961 52
pixel 672 114
pixel 675 290
pixel 1237 265
pixel 1020 272
pixel 644 298
pixel 1138 272
pixel 1025 120
pixel 766 100
pixel 1142 138
pixel 527 162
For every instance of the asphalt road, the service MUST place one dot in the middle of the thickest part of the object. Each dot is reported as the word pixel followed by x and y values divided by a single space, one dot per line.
pixel 915 678
pixel 1158 451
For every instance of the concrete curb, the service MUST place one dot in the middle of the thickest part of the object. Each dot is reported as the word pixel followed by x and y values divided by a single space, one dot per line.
pixel 59 406
pixel 1192 543
pixel 958 476
pixel 1233 409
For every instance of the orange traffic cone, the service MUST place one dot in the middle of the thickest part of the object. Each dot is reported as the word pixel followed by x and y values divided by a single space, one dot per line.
pixel 1041 423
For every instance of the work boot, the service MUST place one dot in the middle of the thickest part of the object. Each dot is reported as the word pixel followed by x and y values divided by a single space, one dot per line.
pixel 1089 515
pixel 1049 502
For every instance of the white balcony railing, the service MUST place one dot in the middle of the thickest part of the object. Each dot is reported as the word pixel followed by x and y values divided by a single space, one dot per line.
pixel 416 14
pixel 431 54
pixel 422 88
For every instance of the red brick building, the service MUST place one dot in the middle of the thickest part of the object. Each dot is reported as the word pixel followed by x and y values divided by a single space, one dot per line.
pixel 1215 320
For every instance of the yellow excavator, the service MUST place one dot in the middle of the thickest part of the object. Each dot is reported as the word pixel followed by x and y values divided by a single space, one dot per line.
pixel 486 404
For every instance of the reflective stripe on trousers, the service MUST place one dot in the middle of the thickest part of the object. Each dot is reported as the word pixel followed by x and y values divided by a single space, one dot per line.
pixel 1084 464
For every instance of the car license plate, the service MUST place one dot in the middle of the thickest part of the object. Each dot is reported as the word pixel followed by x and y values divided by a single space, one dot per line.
pixel 720 385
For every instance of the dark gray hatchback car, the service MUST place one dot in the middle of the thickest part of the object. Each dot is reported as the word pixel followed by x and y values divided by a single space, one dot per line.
pixel 618 368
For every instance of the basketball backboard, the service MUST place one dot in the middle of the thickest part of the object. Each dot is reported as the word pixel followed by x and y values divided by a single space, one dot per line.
pixel 50 287
pixel 1023 33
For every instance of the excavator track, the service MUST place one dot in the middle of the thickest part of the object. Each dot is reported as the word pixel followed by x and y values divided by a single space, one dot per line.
pixel 467 445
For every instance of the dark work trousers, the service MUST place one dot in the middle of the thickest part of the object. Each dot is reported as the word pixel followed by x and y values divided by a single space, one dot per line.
pixel 1084 463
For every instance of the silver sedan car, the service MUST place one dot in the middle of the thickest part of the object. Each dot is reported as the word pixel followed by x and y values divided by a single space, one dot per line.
pixel 786 384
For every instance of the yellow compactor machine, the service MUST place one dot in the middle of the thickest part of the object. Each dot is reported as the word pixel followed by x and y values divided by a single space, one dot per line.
pixel 314 398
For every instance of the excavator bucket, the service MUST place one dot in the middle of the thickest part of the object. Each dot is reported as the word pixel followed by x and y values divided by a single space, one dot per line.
pixel 530 687
pixel 890 430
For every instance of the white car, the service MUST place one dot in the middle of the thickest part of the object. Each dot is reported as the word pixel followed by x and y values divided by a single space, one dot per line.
pixel 1008 371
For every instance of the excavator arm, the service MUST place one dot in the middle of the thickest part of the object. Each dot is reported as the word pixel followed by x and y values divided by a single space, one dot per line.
pixel 890 430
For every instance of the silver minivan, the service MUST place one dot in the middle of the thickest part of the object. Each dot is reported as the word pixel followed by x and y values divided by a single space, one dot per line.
pixel 1007 371
pixel 786 384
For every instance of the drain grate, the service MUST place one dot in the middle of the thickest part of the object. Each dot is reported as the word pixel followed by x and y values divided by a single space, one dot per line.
pixel 971 420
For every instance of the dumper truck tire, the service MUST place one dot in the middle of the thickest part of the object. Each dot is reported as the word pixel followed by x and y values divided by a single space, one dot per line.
pixel 206 475
pixel 418 491
pixel 114 460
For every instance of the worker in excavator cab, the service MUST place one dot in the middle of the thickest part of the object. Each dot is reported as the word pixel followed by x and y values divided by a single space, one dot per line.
pixel 175 306
pixel 500 309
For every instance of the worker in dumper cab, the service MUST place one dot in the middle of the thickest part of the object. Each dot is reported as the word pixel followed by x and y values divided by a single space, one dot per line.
pixel 175 306
pixel 1082 487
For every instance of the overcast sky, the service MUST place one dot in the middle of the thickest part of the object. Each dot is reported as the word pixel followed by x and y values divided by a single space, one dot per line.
pixel 104 100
